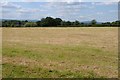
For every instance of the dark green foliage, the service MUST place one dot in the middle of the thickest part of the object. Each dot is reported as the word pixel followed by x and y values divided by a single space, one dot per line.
pixel 57 22
pixel 38 23
pixel 13 23
pixel 93 22
pixel 63 23
pixel 76 23
pixel 49 21
pixel 30 24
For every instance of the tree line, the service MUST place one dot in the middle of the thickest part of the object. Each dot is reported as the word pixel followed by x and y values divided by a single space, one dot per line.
pixel 56 22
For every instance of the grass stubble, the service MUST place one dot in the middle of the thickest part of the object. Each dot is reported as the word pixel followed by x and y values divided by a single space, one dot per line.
pixel 60 52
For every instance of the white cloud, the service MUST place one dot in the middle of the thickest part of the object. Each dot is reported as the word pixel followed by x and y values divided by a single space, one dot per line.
pixel 65 10
pixel 15 11
pixel 103 3
pixel 112 11
pixel 9 5
pixel 82 17
pixel 68 1
pixel 99 13
pixel 61 1
pixel 100 0
pixel 27 10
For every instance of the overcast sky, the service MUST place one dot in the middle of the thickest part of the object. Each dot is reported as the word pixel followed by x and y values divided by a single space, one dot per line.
pixel 69 10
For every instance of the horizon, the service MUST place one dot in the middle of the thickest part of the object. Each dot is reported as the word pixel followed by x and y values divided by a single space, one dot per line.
pixel 81 11
pixel 57 17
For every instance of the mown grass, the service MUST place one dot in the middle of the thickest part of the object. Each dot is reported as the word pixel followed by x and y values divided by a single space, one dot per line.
pixel 33 59
pixel 64 60
pixel 57 52
pixel 18 71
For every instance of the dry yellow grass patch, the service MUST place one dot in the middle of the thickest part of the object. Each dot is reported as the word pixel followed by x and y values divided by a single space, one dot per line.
pixel 78 50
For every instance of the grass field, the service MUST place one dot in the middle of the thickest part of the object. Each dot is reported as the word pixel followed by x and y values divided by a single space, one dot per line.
pixel 60 52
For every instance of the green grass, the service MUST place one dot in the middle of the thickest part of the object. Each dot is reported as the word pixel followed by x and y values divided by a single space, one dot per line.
pixel 18 71
pixel 70 56
pixel 57 52
pixel 73 53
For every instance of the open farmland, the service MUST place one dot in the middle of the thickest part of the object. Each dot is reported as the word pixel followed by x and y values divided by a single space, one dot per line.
pixel 60 52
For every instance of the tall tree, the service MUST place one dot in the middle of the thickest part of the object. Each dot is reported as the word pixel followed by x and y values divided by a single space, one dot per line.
pixel 48 21
pixel 76 23
pixel 93 22
pixel 58 21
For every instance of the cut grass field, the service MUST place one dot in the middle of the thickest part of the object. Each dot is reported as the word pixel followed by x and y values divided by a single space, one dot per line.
pixel 60 52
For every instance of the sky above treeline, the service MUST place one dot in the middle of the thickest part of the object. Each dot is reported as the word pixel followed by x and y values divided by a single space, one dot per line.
pixel 72 10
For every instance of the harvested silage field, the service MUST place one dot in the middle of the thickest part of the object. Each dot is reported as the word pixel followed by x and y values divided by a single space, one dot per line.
pixel 60 52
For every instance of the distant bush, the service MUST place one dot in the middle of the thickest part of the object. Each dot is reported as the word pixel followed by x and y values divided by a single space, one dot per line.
pixel 30 24
pixel 57 22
